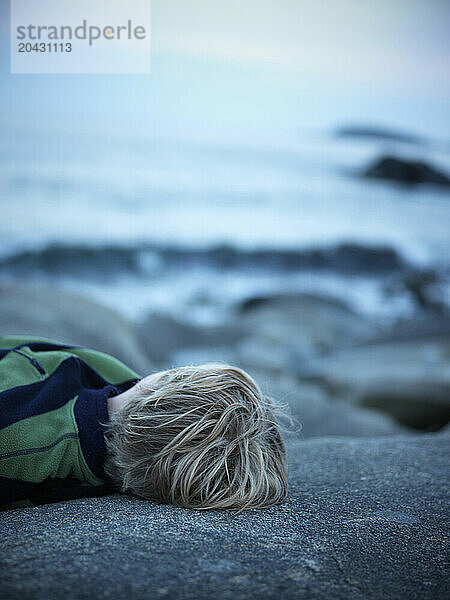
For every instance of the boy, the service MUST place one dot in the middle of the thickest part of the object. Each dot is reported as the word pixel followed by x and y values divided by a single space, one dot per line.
pixel 77 422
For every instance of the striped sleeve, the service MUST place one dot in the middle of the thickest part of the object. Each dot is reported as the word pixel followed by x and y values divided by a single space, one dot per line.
pixel 52 407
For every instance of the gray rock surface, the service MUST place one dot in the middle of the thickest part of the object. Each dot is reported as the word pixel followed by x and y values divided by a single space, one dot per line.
pixel 51 313
pixel 367 519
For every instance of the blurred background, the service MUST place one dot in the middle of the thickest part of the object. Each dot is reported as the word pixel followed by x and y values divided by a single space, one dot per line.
pixel 275 194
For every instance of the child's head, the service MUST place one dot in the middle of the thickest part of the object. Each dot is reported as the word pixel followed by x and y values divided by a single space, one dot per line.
pixel 201 437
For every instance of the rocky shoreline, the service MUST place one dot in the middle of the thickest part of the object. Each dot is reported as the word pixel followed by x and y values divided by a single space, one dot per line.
pixel 368 457
pixel 314 352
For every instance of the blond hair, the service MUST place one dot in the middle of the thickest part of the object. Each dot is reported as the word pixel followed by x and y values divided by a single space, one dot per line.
pixel 202 437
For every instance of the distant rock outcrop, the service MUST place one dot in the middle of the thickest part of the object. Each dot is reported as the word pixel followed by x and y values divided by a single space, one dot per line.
pixel 105 263
pixel 405 171
pixel 372 132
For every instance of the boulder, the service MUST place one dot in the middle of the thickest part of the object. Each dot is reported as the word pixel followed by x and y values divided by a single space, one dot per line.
pixel 408 379
pixel 316 414
pixel 47 312
pixel 426 287
pixel 163 336
pixel 419 404
pixel 366 518
pixel 286 330
pixel 405 171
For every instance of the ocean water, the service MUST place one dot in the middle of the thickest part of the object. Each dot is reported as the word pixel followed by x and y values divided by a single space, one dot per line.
pixel 194 227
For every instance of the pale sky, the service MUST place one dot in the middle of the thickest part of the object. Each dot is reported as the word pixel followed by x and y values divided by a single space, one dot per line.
pixel 389 42
pixel 303 62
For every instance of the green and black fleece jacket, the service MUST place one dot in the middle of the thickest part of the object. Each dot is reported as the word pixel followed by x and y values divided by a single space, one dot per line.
pixel 53 402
